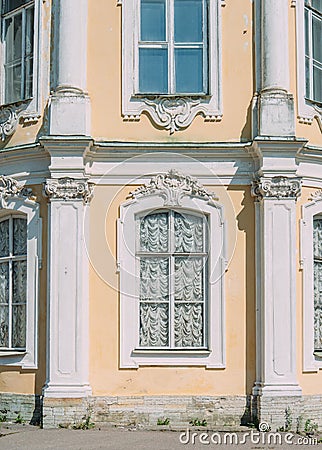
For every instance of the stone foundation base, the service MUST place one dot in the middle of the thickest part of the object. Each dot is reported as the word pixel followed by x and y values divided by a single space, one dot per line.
pixel 287 413
pixel 25 408
pixel 145 411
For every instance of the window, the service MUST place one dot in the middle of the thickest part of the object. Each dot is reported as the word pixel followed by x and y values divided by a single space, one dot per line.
pixel 313 49
pixel 311 264
pixel 172 255
pixel 20 260
pixel 317 255
pixel 172 47
pixel 18 39
pixel 171 275
pixel 13 282
pixel 171 61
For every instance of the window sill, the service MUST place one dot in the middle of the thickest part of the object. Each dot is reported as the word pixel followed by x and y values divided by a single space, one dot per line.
pixel 12 353
pixel 174 352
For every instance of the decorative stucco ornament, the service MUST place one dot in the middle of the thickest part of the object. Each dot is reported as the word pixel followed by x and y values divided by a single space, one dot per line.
pixel 9 187
pixel 68 189
pixel 172 187
pixel 276 187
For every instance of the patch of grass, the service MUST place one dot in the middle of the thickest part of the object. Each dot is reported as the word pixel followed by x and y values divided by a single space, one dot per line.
pixel 3 415
pixel 86 424
pixel 198 422
pixel 19 419
pixel 163 421
pixel 310 427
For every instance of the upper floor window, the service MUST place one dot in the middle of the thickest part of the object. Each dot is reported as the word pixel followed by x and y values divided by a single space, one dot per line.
pixel 172 254
pixel 13 282
pixel 172 47
pixel 317 255
pixel 313 49
pixel 171 61
pixel 18 50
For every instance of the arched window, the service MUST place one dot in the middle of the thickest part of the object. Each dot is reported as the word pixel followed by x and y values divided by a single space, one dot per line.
pixel 171 258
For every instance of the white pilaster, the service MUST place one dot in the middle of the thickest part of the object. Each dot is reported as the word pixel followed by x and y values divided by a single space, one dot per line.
pixel 67 316
pixel 276 286
pixel 70 104
pixel 276 109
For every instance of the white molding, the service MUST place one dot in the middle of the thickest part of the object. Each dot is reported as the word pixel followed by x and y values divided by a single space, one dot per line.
pixel 126 264
pixel 168 112
pixel 68 293
pixel 26 111
pixel 306 110
pixel 15 198
pixel 276 287
pixel 309 210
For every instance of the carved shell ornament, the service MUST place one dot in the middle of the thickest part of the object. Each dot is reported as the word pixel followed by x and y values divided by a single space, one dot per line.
pixel 172 187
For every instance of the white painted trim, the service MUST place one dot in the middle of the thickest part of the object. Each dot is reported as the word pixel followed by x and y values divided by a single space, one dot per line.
pixel 27 359
pixel 306 111
pixel 126 263
pixel 161 108
pixel 311 363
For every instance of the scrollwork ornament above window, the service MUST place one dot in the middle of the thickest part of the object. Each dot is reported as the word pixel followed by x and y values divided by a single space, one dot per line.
pixel 172 187
pixel 9 187
pixel 11 115
pixel 68 189
pixel 276 187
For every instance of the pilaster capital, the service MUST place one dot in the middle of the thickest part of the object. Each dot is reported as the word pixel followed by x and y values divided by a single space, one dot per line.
pixel 278 187
pixel 68 189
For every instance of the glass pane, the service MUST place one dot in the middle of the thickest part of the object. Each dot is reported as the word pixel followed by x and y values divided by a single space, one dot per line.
pixel 29 32
pixel 189 233
pixel 317 4
pixel 153 20
pixel 19 326
pixel 19 236
pixel 317 305
pixel 19 281
pixel 188 21
pixel 4 282
pixel 153 70
pixel 189 70
pixel 10 5
pixel 4 326
pixel 317 84
pixel 13 84
pixel 154 233
pixel 307 78
pixel 317 39
pixel 188 325
pixel 317 238
pixel 4 238
pixel 28 77
pixel 154 325
pixel 188 279
pixel 13 38
pixel 154 279
pixel 307 51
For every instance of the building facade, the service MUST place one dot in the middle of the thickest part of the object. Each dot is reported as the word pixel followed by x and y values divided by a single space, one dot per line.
pixel 161 211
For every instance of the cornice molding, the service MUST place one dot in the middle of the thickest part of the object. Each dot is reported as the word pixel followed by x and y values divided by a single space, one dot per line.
pixel 276 187
pixel 9 187
pixel 68 189
pixel 172 187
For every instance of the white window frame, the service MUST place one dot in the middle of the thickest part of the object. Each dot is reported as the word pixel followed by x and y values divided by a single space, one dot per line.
pixel 169 111
pixel 28 358
pixel 27 110
pixel 311 361
pixel 307 109
pixel 130 355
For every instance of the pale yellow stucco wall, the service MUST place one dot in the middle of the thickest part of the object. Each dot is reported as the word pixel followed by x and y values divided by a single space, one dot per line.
pixel 105 376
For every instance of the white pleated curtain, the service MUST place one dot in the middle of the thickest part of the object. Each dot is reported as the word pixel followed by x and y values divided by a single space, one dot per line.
pixel 172 252
pixel 317 252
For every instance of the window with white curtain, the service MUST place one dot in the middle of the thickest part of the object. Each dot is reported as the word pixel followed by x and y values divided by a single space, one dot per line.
pixel 313 50
pixel 317 255
pixel 18 49
pixel 13 282
pixel 172 253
